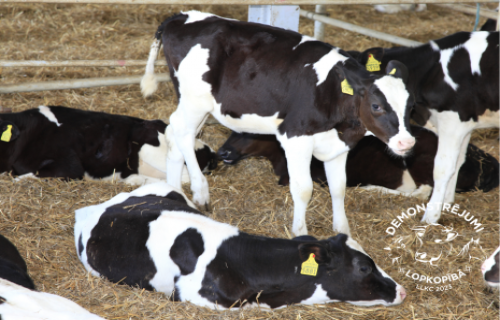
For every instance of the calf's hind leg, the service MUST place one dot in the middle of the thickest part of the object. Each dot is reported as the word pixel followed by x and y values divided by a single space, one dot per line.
pixel 181 134
pixel 451 138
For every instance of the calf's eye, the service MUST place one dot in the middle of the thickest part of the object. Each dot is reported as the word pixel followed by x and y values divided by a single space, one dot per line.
pixel 376 107
pixel 365 269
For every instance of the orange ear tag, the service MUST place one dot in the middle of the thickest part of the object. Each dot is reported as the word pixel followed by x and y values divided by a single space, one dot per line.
pixel 346 87
pixel 310 266
pixel 7 134
pixel 372 64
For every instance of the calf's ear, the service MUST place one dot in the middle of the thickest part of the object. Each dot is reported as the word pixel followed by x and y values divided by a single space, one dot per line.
pixel 397 69
pixel 354 81
pixel 376 53
pixel 318 249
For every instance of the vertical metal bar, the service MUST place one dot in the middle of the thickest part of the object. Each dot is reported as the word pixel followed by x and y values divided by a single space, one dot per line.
pixel 319 27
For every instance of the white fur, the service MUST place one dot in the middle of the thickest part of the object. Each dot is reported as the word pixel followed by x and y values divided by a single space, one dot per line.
pixel 319 296
pixel 29 175
pixel 22 303
pixel 396 95
pixel 149 83
pixel 326 63
pixel 395 8
pixel 304 39
pixel 49 115
pixel 194 16
pixel 423 192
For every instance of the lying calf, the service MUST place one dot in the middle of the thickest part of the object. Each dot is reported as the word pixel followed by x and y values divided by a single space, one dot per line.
pixel 371 164
pixel 491 268
pixel 18 303
pixel 12 266
pixel 72 144
pixel 154 237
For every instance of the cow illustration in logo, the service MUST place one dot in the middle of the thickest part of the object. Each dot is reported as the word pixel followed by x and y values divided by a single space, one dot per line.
pixel 434 234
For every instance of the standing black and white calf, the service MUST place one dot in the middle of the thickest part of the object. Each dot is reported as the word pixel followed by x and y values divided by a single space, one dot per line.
pixel 155 238
pixel 455 81
pixel 491 269
pixel 12 266
pixel 70 143
pixel 261 79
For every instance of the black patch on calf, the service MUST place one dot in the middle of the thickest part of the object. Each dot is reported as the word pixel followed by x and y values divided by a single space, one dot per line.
pixel 117 245
pixel 80 245
pixel 207 159
pixel 187 247
pixel 13 273
pixel 12 266
pixel 480 170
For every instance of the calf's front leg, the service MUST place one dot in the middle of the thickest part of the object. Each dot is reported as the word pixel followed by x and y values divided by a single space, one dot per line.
pixel 336 177
pixel 298 152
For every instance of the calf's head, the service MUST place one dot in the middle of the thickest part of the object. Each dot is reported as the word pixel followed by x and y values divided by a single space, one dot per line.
pixel 347 273
pixel 385 104
pixel 243 145
pixel 491 268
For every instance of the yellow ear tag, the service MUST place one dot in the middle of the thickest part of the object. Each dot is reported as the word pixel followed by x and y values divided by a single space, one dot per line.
pixel 393 71
pixel 310 266
pixel 372 64
pixel 7 134
pixel 346 87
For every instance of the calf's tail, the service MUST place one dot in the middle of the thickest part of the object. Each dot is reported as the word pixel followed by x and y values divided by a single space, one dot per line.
pixel 149 83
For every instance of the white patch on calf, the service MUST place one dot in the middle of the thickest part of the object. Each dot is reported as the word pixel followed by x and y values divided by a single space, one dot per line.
pixel 248 122
pixel 22 303
pixel 49 115
pixel 194 16
pixel 304 39
pixel 408 184
pixel 326 63
pixel 396 95
pixel 327 145
pixel 319 296
pixel 164 231
pixel 423 192
pixel 475 46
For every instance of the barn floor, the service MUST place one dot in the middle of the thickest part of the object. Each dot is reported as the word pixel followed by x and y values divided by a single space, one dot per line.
pixel 38 215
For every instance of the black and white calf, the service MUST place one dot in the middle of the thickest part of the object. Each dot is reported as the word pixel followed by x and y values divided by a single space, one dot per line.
pixel 455 81
pixel 261 79
pixel 12 266
pixel 17 302
pixel 72 144
pixel 491 269
pixel 371 166
pixel 155 238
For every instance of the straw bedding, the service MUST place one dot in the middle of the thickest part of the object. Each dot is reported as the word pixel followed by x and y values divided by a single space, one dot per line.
pixel 38 215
